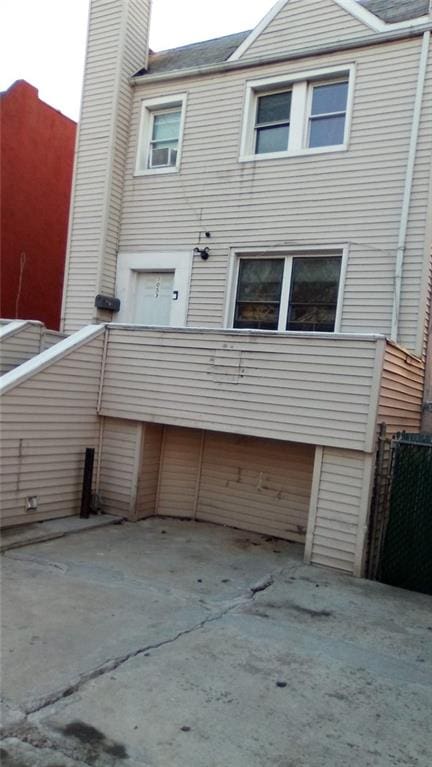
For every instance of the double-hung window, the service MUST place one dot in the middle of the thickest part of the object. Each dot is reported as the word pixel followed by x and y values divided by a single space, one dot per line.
pixel 305 114
pixel 327 114
pixel 160 135
pixel 272 122
pixel 291 292
pixel 164 141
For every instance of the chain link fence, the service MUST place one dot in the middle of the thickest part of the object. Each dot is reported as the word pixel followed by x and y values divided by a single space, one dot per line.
pixel 407 552
pixel 400 540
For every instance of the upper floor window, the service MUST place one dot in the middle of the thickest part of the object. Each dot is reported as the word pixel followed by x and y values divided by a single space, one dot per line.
pixel 164 140
pixel 308 114
pixel 160 135
pixel 273 122
pixel 328 114
pixel 296 292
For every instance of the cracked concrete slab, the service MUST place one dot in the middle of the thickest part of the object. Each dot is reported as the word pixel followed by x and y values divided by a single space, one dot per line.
pixel 90 600
pixel 174 643
pixel 233 694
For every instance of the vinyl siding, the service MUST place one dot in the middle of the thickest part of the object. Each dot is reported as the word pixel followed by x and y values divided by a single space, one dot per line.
pixel 427 413
pixel 118 466
pixel 50 338
pixel 352 197
pixel 413 314
pixel 179 472
pixel 303 24
pixel 311 389
pixel 341 509
pixel 149 471
pixel 116 42
pixel 401 392
pixel 19 345
pixel 48 420
pixel 24 342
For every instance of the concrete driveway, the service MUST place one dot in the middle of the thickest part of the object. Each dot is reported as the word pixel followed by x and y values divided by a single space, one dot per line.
pixel 176 644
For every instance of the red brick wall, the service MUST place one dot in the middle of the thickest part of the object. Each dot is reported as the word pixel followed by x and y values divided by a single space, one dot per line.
pixel 37 149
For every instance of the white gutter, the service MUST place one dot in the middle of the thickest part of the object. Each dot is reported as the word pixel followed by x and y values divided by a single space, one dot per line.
pixel 400 255
pixel 304 53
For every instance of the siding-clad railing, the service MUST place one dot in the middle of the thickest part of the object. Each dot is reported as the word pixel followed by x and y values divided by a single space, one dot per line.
pixel 47 419
pixel 310 388
pixel 20 340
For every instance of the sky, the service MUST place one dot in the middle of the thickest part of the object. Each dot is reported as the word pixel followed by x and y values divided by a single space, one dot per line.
pixel 43 41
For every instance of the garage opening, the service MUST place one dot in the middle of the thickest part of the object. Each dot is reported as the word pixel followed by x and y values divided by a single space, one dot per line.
pixel 254 484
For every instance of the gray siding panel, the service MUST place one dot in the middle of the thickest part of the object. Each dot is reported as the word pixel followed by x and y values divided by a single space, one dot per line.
pixel 117 466
pixel 303 24
pixel 149 470
pixel 401 392
pixel 343 492
pixel 47 422
pixel 19 346
pixel 352 197
pixel 115 49
pixel 179 472
pixel 297 388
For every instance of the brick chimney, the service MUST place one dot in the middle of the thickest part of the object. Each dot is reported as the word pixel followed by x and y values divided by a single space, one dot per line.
pixel 117 46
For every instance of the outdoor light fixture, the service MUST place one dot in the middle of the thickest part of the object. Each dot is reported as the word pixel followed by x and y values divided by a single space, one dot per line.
pixel 203 252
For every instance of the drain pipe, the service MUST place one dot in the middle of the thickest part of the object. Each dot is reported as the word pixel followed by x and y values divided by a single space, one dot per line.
pixel 408 186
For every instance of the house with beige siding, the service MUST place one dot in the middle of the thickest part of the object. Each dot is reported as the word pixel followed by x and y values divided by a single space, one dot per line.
pixel 247 285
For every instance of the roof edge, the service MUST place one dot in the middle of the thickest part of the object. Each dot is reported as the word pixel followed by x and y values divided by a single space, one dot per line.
pixel 229 65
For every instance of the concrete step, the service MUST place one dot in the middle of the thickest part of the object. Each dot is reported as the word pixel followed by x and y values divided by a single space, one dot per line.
pixel 37 532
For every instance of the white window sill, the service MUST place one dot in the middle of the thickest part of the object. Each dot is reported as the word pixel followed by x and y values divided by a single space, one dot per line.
pixel 156 171
pixel 300 153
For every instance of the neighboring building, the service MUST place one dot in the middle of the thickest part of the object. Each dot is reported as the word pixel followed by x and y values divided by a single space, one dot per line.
pixel 37 153
pixel 299 155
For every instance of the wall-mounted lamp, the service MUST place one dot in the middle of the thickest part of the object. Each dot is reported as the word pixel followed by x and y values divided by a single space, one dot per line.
pixel 203 252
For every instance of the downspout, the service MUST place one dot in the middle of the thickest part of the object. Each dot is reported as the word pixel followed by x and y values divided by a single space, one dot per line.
pixel 400 255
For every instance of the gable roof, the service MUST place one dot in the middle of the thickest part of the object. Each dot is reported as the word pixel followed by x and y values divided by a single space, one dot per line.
pixel 195 55
pixel 392 11
pixel 220 49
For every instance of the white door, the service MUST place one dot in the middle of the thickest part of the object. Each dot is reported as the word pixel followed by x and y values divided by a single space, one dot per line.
pixel 153 298
pixel 153 288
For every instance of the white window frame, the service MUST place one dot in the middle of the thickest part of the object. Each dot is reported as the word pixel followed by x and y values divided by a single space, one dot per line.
pixel 337 250
pixel 301 84
pixel 150 107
